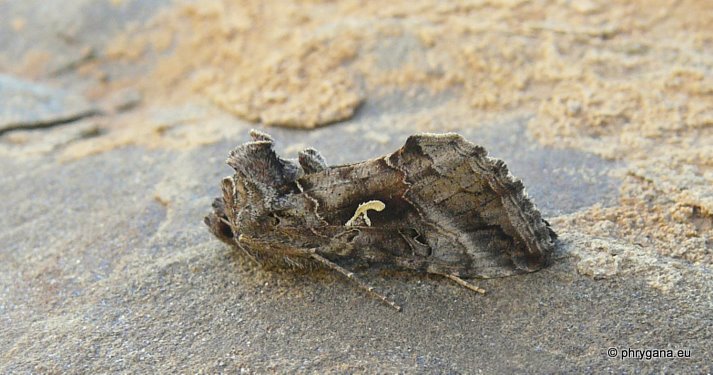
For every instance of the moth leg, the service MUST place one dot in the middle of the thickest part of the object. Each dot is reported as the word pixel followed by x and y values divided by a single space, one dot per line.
pixel 350 275
pixel 464 283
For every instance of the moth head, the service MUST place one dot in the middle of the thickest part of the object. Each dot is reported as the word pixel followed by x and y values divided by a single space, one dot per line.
pixel 257 188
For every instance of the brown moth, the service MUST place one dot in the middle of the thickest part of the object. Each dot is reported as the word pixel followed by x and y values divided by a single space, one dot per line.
pixel 437 205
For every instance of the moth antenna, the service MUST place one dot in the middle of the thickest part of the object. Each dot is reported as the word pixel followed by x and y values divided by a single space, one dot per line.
pixel 350 275
pixel 464 283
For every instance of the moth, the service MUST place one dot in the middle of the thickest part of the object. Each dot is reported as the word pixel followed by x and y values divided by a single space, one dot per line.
pixel 437 205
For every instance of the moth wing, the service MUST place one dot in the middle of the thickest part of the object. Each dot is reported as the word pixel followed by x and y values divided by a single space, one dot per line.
pixel 474 212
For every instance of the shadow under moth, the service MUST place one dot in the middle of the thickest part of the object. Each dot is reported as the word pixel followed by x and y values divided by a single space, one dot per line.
pixel 437 205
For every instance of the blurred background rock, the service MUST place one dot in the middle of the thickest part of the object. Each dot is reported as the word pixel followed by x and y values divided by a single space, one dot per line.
pixel 116 116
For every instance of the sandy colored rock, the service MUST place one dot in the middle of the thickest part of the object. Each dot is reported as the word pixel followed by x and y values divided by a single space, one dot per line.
pixel 603 108
pixel 27 104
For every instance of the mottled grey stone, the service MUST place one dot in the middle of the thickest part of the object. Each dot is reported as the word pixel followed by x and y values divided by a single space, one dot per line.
pixel 107 267
pixel 66 29
pixel 24 104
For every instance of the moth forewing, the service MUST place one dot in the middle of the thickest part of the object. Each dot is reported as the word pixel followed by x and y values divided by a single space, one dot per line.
pixel 437 205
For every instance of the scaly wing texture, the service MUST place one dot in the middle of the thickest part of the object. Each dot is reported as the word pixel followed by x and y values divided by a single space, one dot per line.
pixel 474 205
pixel 449 208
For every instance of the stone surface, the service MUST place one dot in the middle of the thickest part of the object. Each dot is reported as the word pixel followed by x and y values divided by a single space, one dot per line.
pixel 46 38
pixel 110 268
pixel 27 105
pixel 106 265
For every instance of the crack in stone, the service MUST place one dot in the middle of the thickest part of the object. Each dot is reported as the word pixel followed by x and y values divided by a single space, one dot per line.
pixel 49 123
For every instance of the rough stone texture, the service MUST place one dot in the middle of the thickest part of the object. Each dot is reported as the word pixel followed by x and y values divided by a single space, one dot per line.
pixel 109 268
pixel 52 37
pixel 29 105
pixel 106 265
